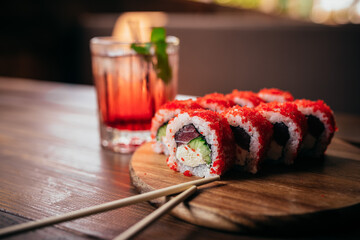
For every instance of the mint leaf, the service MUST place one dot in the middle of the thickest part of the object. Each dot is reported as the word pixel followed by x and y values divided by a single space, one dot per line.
pixel 144 50
pixel 158 34
pixel 162 66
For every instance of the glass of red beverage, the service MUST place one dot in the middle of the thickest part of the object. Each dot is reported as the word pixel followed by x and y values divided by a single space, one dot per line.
pixel 129 90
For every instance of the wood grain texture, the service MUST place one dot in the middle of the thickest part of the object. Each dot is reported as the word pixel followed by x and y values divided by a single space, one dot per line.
pixel 278 198
pixel 9 219
pixel 349 127
pixel 51 163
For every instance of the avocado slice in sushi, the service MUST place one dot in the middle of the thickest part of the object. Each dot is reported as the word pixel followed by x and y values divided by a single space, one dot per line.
pixel 161 132
pixel 200 144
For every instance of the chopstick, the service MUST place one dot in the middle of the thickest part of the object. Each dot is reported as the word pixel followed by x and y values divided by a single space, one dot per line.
pixel 104 207
pixel 145 222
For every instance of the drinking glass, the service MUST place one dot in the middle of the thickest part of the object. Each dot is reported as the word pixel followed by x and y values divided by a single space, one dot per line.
pixel 129 92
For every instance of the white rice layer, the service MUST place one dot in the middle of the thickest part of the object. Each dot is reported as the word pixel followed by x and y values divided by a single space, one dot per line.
pixel 161 117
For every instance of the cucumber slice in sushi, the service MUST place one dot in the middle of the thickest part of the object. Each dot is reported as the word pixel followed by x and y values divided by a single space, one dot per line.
pixel 161 132
pixel 200 144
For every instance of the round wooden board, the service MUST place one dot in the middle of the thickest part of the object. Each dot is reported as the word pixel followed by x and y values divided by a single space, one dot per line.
pixel 310 195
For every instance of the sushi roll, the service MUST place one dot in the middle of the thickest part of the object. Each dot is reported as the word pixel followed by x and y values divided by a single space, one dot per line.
pixel 215 101
pixel 289 126
pixel 275 95
pixel 161 118
pixel 245 98
pixel 252 134
pixel 200 143
pixel 321 126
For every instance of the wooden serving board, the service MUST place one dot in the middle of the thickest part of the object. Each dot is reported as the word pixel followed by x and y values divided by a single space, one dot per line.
pixel 309 195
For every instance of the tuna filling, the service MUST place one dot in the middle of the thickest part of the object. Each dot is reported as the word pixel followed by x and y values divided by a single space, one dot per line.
pixel 186 134
pixel 315 126
pixel 242 138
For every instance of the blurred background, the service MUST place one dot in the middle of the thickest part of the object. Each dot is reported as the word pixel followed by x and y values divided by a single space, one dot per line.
pixel 308 47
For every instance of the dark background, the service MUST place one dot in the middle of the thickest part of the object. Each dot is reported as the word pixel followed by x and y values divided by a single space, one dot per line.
pixel 221 48
pixel 44 39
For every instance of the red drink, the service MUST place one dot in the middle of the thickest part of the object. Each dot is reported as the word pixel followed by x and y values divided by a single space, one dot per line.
pixel 129 93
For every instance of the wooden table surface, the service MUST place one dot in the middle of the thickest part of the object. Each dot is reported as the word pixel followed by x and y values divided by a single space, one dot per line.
pixel 51 162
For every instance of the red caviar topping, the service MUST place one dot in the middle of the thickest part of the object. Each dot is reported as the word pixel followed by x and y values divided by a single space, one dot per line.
pixel 274 91
pixel 182 159
pixel 287 109
pixel 321 106
pixel 185 147
pixel 174 166
pixel 215 98
pixel 246 95
pixel 181 104
pixel 187 173
pixel 221 166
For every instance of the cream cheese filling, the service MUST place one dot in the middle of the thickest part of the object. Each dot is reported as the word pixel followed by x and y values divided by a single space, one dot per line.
pixel 189 157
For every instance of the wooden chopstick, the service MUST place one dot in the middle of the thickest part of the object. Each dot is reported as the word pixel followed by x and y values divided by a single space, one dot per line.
pixel 145 222
pixel 104 207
